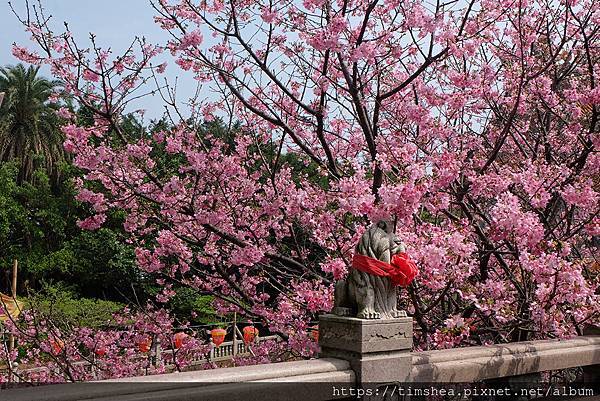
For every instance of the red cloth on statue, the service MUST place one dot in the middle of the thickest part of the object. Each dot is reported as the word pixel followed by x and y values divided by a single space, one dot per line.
pixel 401 271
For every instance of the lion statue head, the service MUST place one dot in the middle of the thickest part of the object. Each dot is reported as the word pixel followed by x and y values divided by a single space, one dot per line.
pixel 380 242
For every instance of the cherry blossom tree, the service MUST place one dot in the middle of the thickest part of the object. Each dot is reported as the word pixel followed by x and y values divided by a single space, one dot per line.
pixel 51 351
pixel 473 125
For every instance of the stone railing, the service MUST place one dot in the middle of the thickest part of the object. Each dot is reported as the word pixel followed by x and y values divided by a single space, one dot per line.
pixel 355 353
pixel 299 380
pixel 507 360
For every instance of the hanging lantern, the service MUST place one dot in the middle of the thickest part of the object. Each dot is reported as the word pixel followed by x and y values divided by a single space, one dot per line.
pixel 315 333
pixel 178 339
pixel 250 333
pixel 218 336
pixel 100 351
pixel 57 346
pixel 144 344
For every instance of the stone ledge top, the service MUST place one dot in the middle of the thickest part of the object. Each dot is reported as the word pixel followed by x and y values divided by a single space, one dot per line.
pixel 364 322
pixel 498 350
pixel 245 373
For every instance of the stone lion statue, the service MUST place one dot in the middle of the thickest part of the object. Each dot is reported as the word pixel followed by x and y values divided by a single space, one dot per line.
pixel 365 295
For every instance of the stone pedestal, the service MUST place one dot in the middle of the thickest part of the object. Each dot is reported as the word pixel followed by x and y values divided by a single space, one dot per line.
pixel 591 374
pixel 378 350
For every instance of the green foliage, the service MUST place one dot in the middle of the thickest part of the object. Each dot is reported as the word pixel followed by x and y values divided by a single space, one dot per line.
pixel 66 310
pixel 32 218
pixel 38 227
pixel 96 263
pixel 187 302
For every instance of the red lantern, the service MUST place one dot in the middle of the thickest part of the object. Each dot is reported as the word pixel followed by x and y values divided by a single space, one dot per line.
pixel 250 333
pixel 101 351
pixel 218 336
pixel 57 346
pixel 144 344
pixel 315 333
pixel 178 339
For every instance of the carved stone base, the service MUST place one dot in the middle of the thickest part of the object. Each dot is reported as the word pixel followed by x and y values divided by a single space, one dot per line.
pixel 378 350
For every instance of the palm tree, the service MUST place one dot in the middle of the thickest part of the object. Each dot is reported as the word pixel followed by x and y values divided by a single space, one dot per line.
pixel 29 126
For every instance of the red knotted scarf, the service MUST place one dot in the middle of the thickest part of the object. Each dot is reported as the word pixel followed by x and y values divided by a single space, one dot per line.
pixel 401 271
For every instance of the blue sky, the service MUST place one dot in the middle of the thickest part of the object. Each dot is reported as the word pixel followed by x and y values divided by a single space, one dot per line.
pixel 114 22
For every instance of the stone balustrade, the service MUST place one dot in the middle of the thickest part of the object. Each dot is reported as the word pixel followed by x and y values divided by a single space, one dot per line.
pixel 504 360
pixel 355 352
